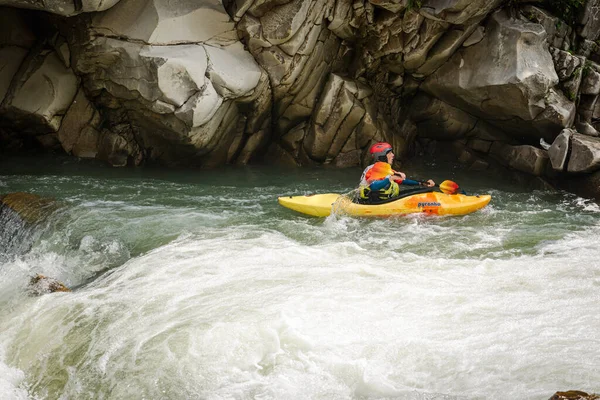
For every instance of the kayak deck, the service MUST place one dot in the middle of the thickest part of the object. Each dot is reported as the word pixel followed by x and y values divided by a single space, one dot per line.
pixel 436 203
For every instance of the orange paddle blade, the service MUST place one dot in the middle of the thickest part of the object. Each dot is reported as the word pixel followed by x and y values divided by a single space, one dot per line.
pixel 449 187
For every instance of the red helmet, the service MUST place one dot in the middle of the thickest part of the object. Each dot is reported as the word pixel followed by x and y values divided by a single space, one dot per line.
pixel 380 149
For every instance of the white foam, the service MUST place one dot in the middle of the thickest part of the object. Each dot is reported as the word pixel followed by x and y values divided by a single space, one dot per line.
pixel 12 382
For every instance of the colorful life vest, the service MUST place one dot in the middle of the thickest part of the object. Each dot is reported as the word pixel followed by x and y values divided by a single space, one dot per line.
pixel 376 183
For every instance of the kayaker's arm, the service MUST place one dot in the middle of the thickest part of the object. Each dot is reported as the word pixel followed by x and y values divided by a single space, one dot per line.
pixel 380 184
pixel 412 182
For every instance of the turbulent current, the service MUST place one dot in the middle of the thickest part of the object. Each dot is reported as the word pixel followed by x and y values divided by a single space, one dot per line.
pixel 197 285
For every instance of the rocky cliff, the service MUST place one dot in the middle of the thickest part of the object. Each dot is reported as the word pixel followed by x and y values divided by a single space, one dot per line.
pixel 301 82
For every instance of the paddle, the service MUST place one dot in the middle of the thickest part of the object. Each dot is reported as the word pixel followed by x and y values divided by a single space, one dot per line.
pixel 447 187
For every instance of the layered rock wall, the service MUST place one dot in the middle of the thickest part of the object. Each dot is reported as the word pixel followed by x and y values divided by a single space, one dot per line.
pixel 301 82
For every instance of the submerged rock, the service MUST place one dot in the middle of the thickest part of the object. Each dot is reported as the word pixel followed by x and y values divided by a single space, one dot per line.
pixel 574 395
pixel 30 207
pixel 41 284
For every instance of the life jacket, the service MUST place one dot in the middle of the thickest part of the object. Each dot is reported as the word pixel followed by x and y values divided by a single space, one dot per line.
pixel 377 172
pixel 391 190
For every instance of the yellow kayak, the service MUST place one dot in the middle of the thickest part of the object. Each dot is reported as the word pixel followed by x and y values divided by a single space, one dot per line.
pixel 437 203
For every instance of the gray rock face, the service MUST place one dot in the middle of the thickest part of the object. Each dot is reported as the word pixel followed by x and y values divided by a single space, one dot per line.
pixel 585 154
pixel 306 81
pixel 79 132
pixel 458 12
pixel 528 159
pixel 180 71
pixel 559 150
pixel 590 20
pixel 62 7
pixel 438 120
pixel 591 79
pixel 500 79
pixel 42 95
pixel 339 124
pixel 569 69
pixel 16 38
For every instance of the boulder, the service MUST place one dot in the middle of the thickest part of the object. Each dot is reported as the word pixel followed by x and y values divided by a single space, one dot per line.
pixel 31 208
pixel 559 113
pixel 529 159
pixel 574 395
pixel 340 20
pixel 40 284
pixel 559 150
pixel 159 22
pixel 181 74
pixel 586 129
pixel 508 75
pixel 590 83
pixel 525 158
pixel 42 96
pixel 569 70
pixel 67 8
pixel 585 154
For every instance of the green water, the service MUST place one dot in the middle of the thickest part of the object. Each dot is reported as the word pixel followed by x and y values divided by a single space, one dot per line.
pixel 197 284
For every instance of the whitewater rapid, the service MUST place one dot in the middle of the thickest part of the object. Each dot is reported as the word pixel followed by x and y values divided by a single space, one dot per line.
pixel 189 290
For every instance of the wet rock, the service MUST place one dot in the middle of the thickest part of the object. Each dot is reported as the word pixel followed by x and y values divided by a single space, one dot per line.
pixel 30 207
pixel 574 395
pixel 40 284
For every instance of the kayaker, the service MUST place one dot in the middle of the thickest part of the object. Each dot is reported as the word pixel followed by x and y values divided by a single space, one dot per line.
pixel 379 181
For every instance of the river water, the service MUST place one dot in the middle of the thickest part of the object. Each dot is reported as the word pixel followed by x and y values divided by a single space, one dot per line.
pixel 196 284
